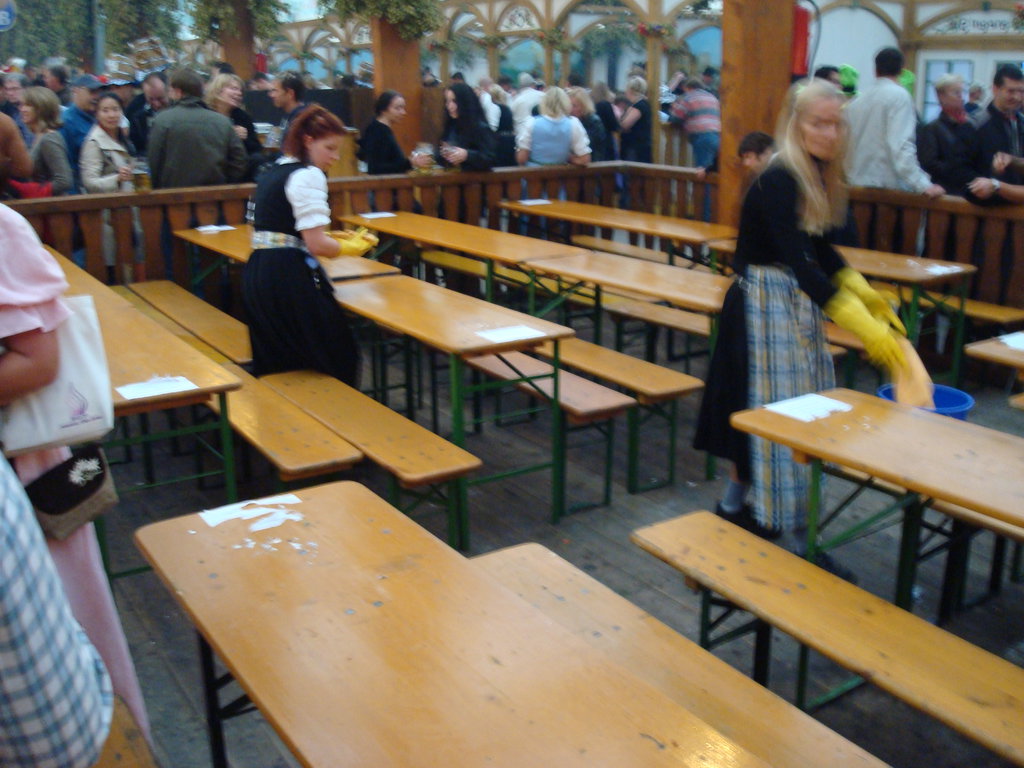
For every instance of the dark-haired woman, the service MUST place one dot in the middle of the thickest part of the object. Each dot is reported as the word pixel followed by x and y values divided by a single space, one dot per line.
pixel 378 147
pixel 467 141
pixel 294 320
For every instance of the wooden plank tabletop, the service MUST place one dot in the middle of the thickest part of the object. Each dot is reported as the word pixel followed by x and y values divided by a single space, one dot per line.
pixel 687 288
pixel 938 456
pixel 446 320
pixel 685 231
pixel 364 640
pixel 995 351
pixel 975 692
pixel 236 244
pixel 139 349
pixel 896 267
pixel 491 244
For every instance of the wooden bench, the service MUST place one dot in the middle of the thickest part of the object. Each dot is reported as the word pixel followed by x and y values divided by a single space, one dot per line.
pixel 959 529
pixel 164 321
pixel 622 249
pixel 724 698
pixel 413 456
pixel 657 390
pixel 297 445
pixel 224 333
pixel 125 747
pixel 983 312
pixel 581 402
pixel 969 689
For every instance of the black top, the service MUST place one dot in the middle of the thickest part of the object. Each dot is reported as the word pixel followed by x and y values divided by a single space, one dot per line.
pixel 600 146
pixel 938 152
pixel 636 142
pixel 379 149
pixel 272 211
pixel 606 112
pixel 993 133
pixel 769 234
pixel 239 116
pixel 480 147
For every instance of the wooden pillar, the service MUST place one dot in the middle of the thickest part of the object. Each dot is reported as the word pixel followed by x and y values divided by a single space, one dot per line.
pixel 756 39
pixel 493 62
pixel 549 65
pixel 239 46
pixel 396 67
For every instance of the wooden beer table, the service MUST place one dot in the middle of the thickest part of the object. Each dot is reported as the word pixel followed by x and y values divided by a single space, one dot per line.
pixel 138 351
pixel 997 351
pixel 235 246
pixel 686 288
pixel 492 246
pixel 680 232
pixel 463 326
pixel 366 641
pixel 932 457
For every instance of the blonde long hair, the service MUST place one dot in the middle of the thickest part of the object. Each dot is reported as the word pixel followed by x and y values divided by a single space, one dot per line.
pixel 822 184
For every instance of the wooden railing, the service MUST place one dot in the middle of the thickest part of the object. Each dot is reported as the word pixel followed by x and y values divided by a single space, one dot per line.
pixel 991 238
pixel 948 228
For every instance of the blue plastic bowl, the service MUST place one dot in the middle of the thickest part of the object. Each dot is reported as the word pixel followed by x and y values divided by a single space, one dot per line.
pixel 949 401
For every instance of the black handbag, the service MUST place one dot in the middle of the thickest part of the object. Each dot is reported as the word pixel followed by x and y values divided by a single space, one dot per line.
pixel 73 493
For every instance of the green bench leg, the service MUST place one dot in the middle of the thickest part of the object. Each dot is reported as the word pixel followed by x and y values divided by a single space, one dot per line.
pixel 671 415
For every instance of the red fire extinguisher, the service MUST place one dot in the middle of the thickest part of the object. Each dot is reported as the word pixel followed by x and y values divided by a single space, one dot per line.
pixel 260 62
pixel 801 41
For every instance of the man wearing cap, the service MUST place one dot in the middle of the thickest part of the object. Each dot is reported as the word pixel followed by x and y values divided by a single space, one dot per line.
pixel 79 117
pixel 522 104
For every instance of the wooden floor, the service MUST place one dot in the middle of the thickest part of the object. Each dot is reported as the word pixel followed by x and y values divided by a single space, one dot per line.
pixel 515 511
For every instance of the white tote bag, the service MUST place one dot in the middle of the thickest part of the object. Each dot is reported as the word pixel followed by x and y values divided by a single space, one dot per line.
pixel 75 407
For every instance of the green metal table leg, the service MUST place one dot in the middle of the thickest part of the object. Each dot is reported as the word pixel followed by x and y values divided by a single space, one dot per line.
pixel 632 450
pixel 912 321
pixel 227 443
pixel 813 509
pixel 909 541
pixel 558 436
pixel 958 334
pixel 802 663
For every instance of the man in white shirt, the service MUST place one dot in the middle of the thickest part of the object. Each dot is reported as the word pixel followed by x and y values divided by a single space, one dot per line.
pixel 491 111
pixel 522 104
pixel 883 125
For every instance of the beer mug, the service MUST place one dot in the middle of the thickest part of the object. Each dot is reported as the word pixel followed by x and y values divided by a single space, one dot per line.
pixel 140 177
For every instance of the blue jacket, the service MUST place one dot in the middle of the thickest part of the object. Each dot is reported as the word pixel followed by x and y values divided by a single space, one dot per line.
pixel 77 125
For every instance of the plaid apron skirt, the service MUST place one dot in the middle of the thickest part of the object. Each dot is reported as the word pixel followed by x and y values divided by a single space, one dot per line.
pixel 788 356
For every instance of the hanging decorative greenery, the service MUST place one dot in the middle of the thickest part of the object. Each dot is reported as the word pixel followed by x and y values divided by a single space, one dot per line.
pixel 603 38
pixel 1018 17
pixel 210 18
pixel 412 18
pixel 489 41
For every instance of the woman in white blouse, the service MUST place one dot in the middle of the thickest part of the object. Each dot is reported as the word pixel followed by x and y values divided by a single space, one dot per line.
pixel 294 320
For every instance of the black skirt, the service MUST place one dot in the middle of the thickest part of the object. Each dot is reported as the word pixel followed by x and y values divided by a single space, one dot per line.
pixel 726 390
pixel 295 323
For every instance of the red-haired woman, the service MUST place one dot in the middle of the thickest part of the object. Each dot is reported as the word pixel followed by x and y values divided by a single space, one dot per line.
pixel 294 320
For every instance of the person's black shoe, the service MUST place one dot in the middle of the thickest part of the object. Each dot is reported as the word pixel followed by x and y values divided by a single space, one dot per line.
pixel 744 518
pixel 826 562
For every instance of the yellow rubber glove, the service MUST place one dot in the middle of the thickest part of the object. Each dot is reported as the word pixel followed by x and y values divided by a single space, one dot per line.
pixel 876 303
pixel 848 311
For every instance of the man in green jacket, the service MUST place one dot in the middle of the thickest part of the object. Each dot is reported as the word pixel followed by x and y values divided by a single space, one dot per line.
pixel 190 145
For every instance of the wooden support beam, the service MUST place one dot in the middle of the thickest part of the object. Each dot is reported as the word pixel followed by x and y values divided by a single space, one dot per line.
pixel 756 40
pixel 396 67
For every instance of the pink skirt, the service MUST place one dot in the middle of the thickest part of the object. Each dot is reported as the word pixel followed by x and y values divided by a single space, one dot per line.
pixel 80 567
